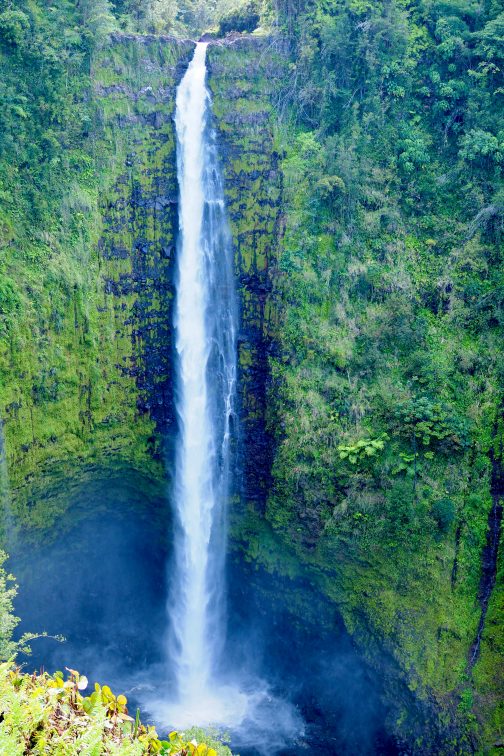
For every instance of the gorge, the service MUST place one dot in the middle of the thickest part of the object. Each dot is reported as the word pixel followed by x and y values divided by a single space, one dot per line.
pixel 325 355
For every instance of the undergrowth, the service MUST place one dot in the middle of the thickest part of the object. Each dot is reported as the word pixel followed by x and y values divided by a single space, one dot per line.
pixel 42 713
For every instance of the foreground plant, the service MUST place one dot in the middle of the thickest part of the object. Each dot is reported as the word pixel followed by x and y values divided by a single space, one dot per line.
pixel 8 621
pixel 46 714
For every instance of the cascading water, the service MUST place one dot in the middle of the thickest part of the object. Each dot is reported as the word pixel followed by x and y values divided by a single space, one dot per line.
pixel 206 325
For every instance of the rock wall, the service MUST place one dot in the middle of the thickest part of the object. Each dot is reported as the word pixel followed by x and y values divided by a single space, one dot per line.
pixel 88 376
pixel 413 615
pixel 242 77
pixel 135 81
pixel 88 380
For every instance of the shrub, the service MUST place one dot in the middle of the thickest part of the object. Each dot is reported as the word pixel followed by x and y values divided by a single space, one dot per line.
pixel 8 621
pixel 433 423
pixel 443 511
pixel 245 18
pixel 479 145
pixel 13 27
pixel 362 449
pixel 48 714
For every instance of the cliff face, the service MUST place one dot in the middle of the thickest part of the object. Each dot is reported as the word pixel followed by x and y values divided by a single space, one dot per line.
pixel 86 378
pixel 87 372
pixel 242 77
pixel 393 534
pixel 134 83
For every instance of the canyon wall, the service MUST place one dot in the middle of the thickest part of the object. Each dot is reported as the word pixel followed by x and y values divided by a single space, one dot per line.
pixel 86 380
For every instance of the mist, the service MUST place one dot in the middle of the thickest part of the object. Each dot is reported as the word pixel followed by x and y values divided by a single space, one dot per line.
pixel 100 580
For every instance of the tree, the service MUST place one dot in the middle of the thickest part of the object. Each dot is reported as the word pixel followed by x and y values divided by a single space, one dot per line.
pixel 160 15
pixel 14 26
pixel 98 20
pixel 8 621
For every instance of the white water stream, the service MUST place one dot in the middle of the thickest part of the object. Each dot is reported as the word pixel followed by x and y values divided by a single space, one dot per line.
pixel 205 326
pixel 206 330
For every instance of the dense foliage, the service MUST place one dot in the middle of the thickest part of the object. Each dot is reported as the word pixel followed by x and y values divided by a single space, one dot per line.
pixel 43 713
pixel 388 378
pixel 392 256
pixel 185 17
pixel 43 113
pixel 243 18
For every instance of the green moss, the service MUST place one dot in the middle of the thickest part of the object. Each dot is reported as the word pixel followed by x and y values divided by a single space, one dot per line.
pixel 361 326
pixel 71 359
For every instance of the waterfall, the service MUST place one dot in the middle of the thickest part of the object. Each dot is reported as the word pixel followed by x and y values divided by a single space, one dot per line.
pixel 205 329
pixel 205 323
